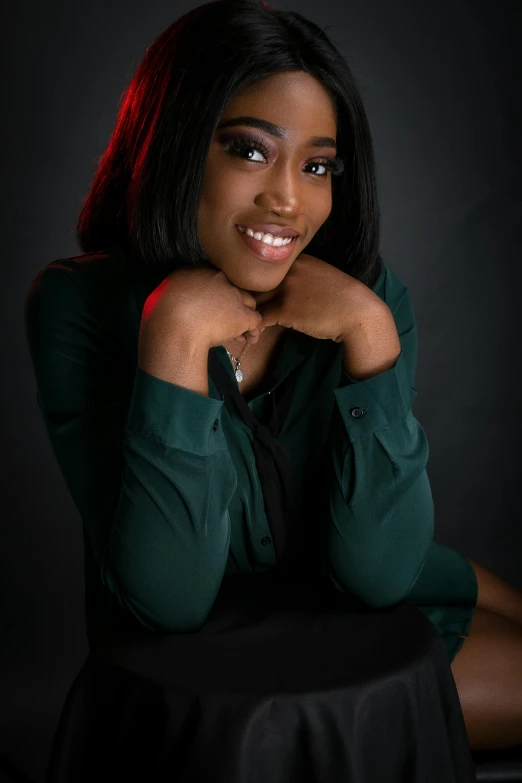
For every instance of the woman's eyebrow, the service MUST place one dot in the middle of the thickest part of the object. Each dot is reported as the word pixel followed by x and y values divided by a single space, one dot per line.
pixel 276 130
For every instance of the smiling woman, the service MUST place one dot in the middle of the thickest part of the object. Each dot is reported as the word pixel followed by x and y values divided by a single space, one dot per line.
pixel 249 106
pixel 282 169
pixel 192 461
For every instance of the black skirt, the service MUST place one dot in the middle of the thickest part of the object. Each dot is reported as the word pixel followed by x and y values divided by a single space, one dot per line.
pixel 287 682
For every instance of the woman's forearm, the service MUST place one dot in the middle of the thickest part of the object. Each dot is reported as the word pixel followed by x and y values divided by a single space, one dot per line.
pixel 371 345
pixel 176 358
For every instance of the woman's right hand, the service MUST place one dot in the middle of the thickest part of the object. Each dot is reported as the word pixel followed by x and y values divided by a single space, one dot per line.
pixel 203 305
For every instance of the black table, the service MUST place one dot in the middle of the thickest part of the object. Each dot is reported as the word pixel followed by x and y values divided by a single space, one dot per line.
pixel 286 682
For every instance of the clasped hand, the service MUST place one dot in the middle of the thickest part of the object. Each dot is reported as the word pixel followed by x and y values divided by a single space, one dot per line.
pixel 318 299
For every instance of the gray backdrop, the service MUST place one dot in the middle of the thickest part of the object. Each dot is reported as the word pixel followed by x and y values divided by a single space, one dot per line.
pixel 441 84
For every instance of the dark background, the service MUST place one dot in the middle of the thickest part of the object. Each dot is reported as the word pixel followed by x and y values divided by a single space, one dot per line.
pixel 441 83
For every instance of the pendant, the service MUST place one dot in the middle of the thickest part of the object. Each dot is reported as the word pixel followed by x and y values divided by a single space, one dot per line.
pixel 239 374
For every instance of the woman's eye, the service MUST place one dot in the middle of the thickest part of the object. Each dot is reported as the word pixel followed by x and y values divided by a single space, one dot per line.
pixel 322 166
pixel 254 151
pixel 242 148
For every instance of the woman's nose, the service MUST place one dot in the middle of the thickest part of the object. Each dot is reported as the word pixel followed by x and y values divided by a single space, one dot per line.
pixel 283 193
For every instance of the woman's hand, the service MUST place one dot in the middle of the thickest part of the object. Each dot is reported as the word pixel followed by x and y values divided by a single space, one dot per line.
pixel 319 300
pixel 201 305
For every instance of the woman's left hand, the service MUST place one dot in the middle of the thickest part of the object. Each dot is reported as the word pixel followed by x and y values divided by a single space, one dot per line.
pixel 320 300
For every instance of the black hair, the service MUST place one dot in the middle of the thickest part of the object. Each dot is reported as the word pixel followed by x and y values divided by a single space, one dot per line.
pixel 145 192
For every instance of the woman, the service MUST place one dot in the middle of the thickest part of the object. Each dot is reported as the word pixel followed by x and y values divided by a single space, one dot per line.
pixel 233 225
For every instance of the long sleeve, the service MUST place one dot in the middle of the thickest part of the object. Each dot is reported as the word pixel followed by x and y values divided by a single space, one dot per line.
pixel 381 507
pixel 145 461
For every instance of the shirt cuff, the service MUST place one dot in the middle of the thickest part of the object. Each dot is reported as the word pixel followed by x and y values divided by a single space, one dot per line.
pixel 375 402
pixel 177 417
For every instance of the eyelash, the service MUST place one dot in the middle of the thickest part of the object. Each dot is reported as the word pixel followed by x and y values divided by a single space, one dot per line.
pixel 335 166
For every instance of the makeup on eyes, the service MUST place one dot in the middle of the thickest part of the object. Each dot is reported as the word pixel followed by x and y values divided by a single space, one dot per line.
pixel 236 143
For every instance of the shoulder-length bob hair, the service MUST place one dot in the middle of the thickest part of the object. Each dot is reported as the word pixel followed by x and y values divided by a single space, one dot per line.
pixel 145 192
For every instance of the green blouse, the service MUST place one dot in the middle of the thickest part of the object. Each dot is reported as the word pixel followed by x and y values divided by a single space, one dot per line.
pixel 165 480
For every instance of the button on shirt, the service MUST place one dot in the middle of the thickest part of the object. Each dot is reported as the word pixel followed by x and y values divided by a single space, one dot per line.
pixel 165 481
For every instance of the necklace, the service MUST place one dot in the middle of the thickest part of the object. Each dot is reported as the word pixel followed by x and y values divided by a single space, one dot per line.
pixel 239 372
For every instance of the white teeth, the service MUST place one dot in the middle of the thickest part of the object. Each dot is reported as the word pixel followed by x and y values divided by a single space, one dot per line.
pixel 268 239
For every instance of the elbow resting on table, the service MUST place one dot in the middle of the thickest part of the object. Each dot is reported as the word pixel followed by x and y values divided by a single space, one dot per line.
pixel 180 622
pixel 182 617
pixel 377 549
pixel 376 587
pixel 160 606
pixel 376 596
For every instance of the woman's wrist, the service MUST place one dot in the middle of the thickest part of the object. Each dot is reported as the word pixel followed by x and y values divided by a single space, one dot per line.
pixel 371 344
pixel 180 359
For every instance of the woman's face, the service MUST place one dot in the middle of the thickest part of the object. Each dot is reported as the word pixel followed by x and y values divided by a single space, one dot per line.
pixel 288 185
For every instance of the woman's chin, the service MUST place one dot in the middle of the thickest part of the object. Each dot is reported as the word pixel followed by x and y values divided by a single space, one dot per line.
pixel 261 296
pixel 256 287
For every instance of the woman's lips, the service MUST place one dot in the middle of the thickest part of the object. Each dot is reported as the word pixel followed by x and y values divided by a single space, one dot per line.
pixel 268 252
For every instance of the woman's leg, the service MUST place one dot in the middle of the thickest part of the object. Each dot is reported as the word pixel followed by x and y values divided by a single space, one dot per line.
pixel 496 595
pixel 488 674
